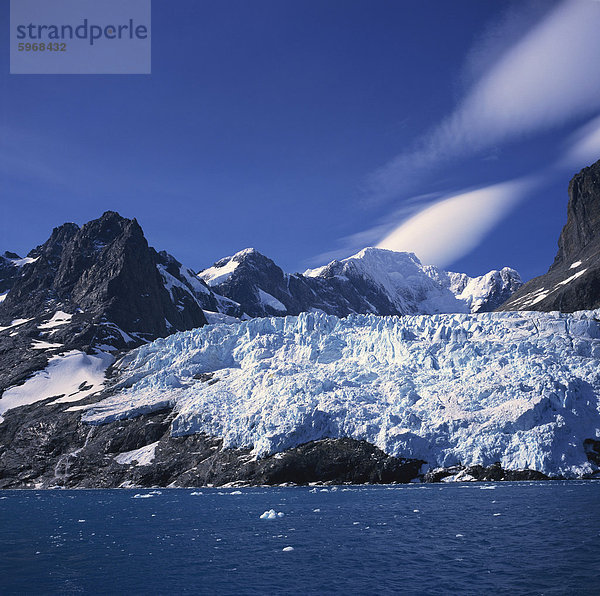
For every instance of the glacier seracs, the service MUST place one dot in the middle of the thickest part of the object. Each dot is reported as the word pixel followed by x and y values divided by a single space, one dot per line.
pixel 521 388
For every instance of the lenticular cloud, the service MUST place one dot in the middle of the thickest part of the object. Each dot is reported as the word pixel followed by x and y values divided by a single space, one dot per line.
pixel 450 228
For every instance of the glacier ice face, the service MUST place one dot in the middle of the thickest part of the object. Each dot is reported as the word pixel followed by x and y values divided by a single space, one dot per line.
pixel 521 388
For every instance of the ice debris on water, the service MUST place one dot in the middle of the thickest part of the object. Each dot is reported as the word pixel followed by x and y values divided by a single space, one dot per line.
pixel 152 493
pixel 287 549
pixel 271 514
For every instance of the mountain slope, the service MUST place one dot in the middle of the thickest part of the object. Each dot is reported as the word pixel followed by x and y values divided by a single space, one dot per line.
pixel 95 288
pixel 573 281
pixel 373 281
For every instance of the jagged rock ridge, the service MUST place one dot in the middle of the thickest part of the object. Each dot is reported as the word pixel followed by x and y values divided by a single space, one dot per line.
pixel 373 281
pixel 98 287
pixel 573 281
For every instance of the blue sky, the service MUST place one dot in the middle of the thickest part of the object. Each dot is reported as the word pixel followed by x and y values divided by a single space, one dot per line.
pixel 310 129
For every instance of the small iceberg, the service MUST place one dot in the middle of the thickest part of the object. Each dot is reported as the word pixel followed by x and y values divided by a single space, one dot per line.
pixel 271 514
pixel 287 549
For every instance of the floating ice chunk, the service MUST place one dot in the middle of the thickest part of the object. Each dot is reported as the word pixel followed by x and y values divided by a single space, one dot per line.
pixel 416 511
pixel 287 549
pixel 487 488
pixel 271 514
pixel 143 496
pixel 497 514
pixel 316 511
pixel 236 492
pixel 196 493
pixel 459 536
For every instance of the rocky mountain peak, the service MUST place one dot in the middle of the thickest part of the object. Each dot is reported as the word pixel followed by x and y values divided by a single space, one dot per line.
pixel 582 230
pixel 573 280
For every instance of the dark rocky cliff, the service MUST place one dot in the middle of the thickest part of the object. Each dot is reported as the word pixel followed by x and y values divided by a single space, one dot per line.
pixel 573 280
pixel 106 277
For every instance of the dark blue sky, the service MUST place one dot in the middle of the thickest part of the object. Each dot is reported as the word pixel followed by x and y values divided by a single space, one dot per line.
pixel 305 129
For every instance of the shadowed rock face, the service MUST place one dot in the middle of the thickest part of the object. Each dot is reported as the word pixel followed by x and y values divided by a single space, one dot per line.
pixel 573 281
pixel 106 269
pixel 581 234
pixel 9 270
pixel 46 446
pixel 106 276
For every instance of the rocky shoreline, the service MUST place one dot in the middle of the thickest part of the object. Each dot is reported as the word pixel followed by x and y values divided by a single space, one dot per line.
pixel 49 447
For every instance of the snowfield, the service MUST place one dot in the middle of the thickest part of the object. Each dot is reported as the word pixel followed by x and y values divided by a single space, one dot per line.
pixel 521 388
pixel 68 377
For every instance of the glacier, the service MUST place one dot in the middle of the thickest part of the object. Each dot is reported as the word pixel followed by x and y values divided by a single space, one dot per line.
pixel 519 388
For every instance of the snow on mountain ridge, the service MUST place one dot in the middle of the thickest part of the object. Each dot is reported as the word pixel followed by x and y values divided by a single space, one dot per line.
pixel 519 388
pixel 402 276
pixel 375 280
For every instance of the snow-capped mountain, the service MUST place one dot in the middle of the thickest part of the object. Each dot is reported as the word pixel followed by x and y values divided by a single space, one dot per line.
pixel 98 288
pixel 480 294
pixel 373 281
pixel 573 281
pixel 522 389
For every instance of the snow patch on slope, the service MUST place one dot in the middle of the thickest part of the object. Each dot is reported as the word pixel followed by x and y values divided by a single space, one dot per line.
pixel 216 318
pixel 267 300
pixel 58 319
pixel 69 377
pixel 518 387
pixel 143 456
pixel 15 323
pixel 217 274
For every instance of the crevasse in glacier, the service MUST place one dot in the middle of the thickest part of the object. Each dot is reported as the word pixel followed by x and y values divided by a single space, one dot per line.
pixel 521 388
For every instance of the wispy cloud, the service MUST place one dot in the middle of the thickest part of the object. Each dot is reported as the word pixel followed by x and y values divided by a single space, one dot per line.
pixel 370 237
pixel 454 225
pixel 548 77
pixel 583 146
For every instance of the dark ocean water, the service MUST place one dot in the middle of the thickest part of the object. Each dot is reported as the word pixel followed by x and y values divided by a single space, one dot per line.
pixel 508 538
